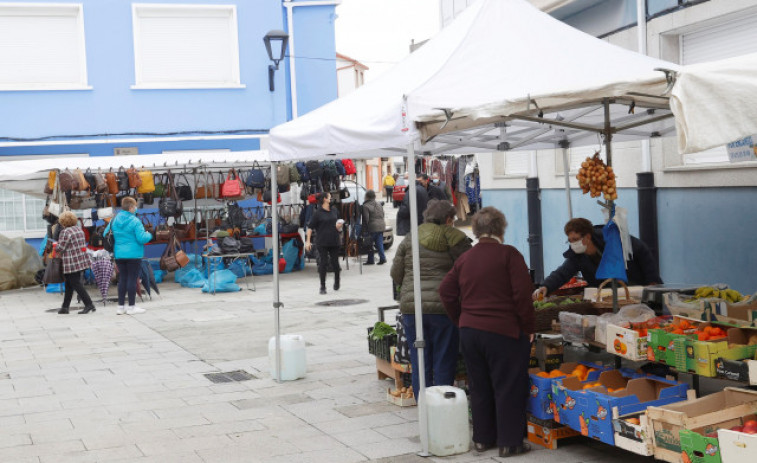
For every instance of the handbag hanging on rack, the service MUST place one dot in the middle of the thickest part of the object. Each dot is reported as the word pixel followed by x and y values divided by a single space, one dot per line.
pixel 232 186
pixel 256 177
pixel 147 182
pixel 183 190
pixel 111 179
pixel 135 181
pixel 170 206
pixel 168 260
pixel 206 189
pixel 123 180
pixel 51 177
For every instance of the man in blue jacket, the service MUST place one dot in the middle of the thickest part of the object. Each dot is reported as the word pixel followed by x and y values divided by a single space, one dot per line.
pixel 585 253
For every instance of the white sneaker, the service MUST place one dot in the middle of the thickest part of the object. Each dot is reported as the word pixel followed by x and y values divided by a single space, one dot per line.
pixel 120 310
pixel 134 310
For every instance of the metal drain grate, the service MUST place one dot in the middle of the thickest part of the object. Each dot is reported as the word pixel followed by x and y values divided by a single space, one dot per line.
pixel 342 302
pixel 229 376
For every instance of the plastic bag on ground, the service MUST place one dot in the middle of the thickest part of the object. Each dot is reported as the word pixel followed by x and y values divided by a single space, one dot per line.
pixel 221 281
pixel 193 279
pixel 241 268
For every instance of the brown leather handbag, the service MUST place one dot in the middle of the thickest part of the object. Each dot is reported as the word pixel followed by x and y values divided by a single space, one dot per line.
pixel 173 257
pixel 83 183
pixel 135 181
pixel 67 181
pixel 205 189
pixel 163 232
pixel 112 181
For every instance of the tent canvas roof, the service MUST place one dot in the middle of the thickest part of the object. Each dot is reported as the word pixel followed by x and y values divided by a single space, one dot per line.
pixel 498 59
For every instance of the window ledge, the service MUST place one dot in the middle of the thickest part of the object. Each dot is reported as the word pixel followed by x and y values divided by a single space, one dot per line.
pixel 42 87
pixel 185 86
pixel 29 234
pixel 711 167
pixel 510 177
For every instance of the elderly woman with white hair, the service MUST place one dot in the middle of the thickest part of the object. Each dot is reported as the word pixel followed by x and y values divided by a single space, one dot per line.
pixel 487 294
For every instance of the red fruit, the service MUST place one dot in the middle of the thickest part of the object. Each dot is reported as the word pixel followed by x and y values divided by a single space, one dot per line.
pixel 712 434
pixel 750 423
pixel 750 429
pixel 738 428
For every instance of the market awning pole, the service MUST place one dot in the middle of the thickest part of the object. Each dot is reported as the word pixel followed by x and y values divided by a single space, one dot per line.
pixel 566 169
pixel 275 238
pixel 611 203
pixel 419 342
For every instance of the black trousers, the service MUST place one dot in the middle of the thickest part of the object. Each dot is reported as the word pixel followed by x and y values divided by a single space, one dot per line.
pixel 328 254
pixel 74 283
pixel 128 272
pixel 498 379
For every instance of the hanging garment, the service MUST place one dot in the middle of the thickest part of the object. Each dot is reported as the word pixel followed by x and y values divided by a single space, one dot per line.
pixel 462 205
pixel 461 163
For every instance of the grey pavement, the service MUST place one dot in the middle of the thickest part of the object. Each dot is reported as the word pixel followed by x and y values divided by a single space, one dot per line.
pixel 108 388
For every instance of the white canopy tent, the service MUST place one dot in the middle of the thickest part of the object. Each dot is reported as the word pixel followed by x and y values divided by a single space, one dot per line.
pixel 502 76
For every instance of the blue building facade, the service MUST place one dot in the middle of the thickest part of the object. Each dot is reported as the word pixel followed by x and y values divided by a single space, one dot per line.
pixel 153 76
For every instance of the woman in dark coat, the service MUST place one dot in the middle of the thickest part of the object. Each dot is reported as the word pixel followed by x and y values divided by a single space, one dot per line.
pixel 487 294
pixel 72 249
pixel 374 226
pixel 328 227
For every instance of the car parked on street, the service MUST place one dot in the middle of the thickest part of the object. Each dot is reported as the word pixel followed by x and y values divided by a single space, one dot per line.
pixel 398 194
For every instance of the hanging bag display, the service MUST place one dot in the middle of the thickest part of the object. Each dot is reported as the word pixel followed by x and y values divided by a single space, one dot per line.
pixel 135 181
pixel 51 177
pixel 349 167
pixel 282 175
pixel 170 206
pixel 123 179
pixel 294 174
pixel 232 186
pixel 206 188
pixel 89 177
pixel 162 232
pixel 168 259
pixel 147 182
pixel 160 185
pixel 81 182
pixel 101 185
pixel 111 179
pixel 183 190
pixel 256 178
pixel 53 271
pixel 66 181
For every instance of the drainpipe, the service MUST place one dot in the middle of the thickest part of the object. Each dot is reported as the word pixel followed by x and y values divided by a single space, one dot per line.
pixel 645 184
pixel 289 4
pixel 536 247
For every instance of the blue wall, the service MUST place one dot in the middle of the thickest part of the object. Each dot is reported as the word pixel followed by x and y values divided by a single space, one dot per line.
pixel 315 55
pixel 513 203
pixel 156 147
pixel 707 235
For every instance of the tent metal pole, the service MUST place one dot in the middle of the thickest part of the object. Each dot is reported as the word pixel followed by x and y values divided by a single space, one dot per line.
pixel 275 238
pixel 419 342
pixel 566 169
pixel 608 150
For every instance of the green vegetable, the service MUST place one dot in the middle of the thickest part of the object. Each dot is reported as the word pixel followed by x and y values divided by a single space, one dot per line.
pixel 548 305
pixel 381 330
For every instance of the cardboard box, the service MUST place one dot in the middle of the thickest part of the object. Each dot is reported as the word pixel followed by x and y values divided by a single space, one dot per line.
pixel 541 395
pixel 744 371
pixel 635 438
pixel 626 343
pixel 546 434
pixel 593 406
pixel 570 399
pixel 702 445
pixel 737 447
pixel 701 356
pixel 668 421
pixel 669 348
pixel 739 314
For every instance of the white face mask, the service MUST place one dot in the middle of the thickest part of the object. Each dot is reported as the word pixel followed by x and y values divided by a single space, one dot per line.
pixel 578 247
pixel 436 181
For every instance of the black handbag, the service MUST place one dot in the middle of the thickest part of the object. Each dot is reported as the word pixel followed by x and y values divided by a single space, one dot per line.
pixel 171 205
pixel 183 190
pixel 123 179
pixel 256 178
pixel 53 271
pixel 245 245
pixel 230 245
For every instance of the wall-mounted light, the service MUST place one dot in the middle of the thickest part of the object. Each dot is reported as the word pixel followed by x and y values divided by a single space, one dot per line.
pixel 276 45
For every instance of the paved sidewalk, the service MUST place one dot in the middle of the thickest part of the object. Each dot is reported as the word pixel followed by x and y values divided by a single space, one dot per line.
pixel 108 388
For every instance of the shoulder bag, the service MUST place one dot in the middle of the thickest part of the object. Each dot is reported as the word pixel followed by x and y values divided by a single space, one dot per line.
pixel 51 177
pixel 66 181
pixel 232 186
pixel 282 175
pixel 112 181
pixel 135 181
pixel 123 179
pixel 206 189
pixel 53 271
pixel 82 184
pixel 146 182
pixel 183 190
pixel 173 259
pixel 90 179
pixel 170 205
pixel 101 185
pixel 256 178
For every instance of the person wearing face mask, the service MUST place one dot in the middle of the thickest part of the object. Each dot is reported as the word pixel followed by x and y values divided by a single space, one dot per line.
pixel 130 237
pixel 440 246
pixel 328 228
pixel 585 253
pixel 440 189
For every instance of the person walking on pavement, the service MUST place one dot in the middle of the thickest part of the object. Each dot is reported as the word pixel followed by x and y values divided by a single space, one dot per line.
pixel 403 214
pixel 374 226
pixel 130 237
pixel 388 186
pixel 72 249
pixel 442 186
pixel 440 246
pixel 327 226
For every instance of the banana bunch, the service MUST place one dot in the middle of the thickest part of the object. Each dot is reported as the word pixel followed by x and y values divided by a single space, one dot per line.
pixel 728 295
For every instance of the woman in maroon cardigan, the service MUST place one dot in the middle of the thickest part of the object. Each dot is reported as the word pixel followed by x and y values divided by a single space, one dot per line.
pixel 488 295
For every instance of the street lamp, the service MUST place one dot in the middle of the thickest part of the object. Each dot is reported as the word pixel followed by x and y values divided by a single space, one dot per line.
pixel 276 45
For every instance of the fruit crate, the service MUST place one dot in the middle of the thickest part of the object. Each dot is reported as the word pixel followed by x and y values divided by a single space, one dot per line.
pixel 381 348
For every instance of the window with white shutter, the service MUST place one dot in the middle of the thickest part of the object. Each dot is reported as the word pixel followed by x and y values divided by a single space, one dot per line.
pixel 185 46
pixel 42 47
pixel 516 163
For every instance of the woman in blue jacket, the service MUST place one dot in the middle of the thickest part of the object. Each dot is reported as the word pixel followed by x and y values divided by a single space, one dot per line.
pixel 130 237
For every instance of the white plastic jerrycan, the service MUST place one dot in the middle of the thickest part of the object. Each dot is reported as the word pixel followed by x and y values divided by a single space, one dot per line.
pixel 447 411
pixel 293 365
